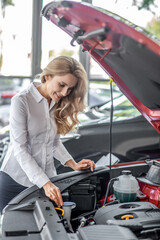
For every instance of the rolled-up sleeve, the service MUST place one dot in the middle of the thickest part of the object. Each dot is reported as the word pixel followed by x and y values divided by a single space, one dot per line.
pixel 60 152
pixel 18 134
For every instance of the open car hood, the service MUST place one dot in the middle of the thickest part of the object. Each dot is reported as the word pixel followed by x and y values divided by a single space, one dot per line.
pixel 125 52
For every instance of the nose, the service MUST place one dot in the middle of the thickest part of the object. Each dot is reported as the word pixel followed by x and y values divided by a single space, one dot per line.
pixel 64 91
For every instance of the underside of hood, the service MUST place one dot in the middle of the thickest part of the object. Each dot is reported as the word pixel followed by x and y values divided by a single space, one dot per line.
pixel 128 54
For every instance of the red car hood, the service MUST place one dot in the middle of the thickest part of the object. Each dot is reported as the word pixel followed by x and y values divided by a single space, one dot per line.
pixel 130 57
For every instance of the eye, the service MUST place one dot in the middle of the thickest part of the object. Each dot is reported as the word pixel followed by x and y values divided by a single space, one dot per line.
pixel 62 85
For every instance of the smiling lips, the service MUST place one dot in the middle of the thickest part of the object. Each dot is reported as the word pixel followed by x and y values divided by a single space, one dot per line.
pixel 58 96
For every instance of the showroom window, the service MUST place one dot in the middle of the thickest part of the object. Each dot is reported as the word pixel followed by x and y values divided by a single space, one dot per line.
pixel 16 38
pixel 53 43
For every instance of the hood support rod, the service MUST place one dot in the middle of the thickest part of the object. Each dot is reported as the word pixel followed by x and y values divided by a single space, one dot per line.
pixel 105 54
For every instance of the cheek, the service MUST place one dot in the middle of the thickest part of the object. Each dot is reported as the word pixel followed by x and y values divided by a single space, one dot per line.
pixel 51 87
pixel 57 88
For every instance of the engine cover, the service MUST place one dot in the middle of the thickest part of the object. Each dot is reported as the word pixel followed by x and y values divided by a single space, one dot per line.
pixel 134 215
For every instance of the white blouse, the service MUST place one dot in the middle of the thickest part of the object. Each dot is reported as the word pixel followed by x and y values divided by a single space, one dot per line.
pixel 33 139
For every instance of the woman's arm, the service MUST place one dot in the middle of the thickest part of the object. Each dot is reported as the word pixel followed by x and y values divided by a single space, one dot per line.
pixel 61 153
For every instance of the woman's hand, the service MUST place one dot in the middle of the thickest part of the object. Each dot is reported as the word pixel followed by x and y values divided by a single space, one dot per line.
pixel 53 193
pixel 83 164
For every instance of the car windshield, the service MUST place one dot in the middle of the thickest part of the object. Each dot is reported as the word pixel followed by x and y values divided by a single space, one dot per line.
pixel 122 108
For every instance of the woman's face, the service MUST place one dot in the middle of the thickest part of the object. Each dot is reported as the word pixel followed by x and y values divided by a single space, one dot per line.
pixel 58 87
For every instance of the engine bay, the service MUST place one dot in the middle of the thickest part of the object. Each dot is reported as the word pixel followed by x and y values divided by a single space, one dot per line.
pixel 91 210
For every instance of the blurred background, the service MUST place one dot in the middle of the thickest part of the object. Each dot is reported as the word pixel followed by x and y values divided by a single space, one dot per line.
pixel 28 42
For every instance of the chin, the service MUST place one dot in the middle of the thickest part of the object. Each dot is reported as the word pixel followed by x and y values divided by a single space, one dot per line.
pixel 56 100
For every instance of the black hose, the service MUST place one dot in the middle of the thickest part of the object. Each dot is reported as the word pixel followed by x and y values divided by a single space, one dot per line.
pixel 110 128
pixel 108 188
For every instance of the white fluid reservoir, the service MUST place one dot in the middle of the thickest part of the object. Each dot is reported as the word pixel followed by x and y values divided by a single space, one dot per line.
pixel 126 187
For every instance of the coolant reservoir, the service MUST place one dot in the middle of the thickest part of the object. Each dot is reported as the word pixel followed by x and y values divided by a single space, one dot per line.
pixel 126 187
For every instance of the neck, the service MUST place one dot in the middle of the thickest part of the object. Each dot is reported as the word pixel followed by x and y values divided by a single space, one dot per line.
pixel 49 101
pixel 41 88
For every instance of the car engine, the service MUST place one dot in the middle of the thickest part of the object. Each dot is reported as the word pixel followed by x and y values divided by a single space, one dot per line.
pixel 91 207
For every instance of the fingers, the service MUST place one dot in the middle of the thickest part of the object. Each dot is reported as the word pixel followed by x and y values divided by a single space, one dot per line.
pixel 53 193
pixel 91 164
pixel 86 163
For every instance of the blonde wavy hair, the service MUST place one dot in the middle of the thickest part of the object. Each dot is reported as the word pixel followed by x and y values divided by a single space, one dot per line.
pixel 67 109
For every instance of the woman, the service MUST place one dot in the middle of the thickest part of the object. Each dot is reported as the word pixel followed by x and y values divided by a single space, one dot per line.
pixel 38 115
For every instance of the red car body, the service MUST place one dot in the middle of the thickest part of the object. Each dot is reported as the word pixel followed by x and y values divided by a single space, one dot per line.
pixel 132 61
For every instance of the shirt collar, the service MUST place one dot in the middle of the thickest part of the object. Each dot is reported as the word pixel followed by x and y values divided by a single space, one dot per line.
pixel 36 94
pixel 51 104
